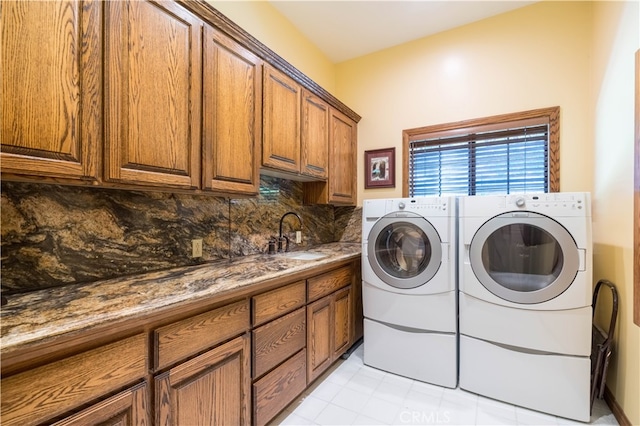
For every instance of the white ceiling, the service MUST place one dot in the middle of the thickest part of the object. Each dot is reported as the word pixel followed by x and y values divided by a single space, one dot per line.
pixel 347 29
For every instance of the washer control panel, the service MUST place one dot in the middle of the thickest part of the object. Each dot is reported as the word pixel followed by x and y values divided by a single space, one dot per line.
pixel 426 204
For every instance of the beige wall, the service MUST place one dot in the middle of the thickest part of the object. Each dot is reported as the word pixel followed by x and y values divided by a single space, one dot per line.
pixel 577 55
pixel 272 29
pixel 616 39
pixel 534 57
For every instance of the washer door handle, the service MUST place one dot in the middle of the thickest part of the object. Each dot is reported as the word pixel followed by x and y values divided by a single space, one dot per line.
pixel 582 259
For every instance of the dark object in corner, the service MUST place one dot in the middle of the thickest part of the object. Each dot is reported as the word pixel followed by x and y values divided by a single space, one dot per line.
pixel 601 343
pixel 353 347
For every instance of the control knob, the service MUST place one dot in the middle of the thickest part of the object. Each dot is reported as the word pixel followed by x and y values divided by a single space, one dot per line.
pixel 520 202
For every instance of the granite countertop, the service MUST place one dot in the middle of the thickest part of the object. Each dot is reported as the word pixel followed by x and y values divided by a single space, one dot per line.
pixel 28 319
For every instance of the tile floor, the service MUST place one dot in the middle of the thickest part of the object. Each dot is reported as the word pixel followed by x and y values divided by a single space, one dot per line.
pixel 351 393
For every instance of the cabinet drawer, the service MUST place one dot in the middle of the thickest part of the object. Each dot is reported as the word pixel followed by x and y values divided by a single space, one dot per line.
pixel 126 408
pixel 177 341
pixel 272 304
pixel 277 389
pixel 328 283
pixel 276 341
pixel 53 389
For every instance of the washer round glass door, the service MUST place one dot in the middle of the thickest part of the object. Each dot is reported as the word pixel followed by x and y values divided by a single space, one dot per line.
pixel 404 249
pixel 524 257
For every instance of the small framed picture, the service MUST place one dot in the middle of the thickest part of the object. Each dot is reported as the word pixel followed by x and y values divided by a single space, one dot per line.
pixel 379 167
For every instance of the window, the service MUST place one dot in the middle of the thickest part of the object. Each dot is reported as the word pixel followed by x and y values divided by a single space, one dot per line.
pixel 495 155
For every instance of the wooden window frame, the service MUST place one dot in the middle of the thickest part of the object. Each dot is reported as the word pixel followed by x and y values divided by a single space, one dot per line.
pixel 552 113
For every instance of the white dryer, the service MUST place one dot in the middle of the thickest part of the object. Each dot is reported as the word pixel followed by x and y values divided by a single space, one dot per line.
pixel 525 283
pixel 409 288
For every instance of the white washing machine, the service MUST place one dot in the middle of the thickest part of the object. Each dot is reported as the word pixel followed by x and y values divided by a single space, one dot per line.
pixel 409 288
pixel 525 286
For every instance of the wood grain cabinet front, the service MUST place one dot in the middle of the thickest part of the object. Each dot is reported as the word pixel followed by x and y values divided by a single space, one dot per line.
pixel 327 283
pixel 232 114
pixel 281 118
pixel 275 391
pixel 275 303
pixel 296 129
pixel 177 341
pixel 329 331
pixel 279 356
pixel 153 96
pixel 127 408
pixel 213 388
pixel 340 188
pixel 314 160
pixel 40 394
pixel 276 341
pixel 51 98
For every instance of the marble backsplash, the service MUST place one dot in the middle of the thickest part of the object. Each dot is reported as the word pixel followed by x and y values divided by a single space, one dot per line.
pixel 57 235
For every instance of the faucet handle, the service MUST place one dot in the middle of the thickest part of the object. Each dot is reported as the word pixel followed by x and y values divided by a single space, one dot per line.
pixel 272 245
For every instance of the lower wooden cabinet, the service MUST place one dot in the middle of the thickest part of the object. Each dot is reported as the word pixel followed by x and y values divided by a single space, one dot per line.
pixel 52 390
pixel 211 389
pixel 279 355
pixel 240 363
pixel 329 331
pixel 130 407
pixel 276 341
pixel 342 332
pixel 276 390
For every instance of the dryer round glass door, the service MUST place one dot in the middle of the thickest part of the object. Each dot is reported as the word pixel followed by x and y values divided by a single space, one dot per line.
pixel 405 250
pixel 524 257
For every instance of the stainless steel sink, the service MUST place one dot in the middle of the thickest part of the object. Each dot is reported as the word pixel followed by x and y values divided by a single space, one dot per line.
pixel 303 255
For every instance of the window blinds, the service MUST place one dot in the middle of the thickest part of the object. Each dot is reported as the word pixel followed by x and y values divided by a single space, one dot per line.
pixel 479 161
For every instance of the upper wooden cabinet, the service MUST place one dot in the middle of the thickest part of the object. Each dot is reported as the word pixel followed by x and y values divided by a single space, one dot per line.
pixel 296 129
pixel 342 158
pixel 341 185
pixel 51 89
pixel 161 95
pixel 314 136
pixel 153 96
pixel 232 115
pixel 281 109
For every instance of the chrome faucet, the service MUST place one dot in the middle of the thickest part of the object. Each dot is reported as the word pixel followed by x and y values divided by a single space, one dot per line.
pixel 282 238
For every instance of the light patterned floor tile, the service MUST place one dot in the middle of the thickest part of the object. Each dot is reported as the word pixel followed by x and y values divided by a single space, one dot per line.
pixel 334 415
pixel 353 393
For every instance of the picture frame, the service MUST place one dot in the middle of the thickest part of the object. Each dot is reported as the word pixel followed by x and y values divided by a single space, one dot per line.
pixel 380 168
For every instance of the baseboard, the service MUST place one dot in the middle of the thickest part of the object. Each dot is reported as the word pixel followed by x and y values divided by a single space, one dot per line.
pixel 615 408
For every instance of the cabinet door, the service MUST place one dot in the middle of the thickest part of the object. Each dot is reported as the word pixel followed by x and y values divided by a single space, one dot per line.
pixel 153 97
pixel 341 185
pixel 212 389
pixel 356 295
pixel 232 114
pixel 342 321
pixel 319 337
pixel 342 159
pixel 127 408
pixel 315 136
pixel 50 103
pixel 281 121
pixel 69 383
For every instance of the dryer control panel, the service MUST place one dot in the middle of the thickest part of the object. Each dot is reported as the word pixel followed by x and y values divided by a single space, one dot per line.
pixel 551 203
